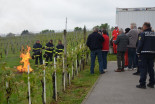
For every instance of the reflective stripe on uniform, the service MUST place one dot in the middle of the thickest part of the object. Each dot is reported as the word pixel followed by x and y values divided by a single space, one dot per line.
pixel 48 51
pixel 60 49
pixel 49 47
pixel 147 51
pixel 37 55
pixel 37 48
pixel 60 53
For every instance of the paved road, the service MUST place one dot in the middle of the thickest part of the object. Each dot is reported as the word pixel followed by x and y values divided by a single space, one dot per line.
pixel 119 88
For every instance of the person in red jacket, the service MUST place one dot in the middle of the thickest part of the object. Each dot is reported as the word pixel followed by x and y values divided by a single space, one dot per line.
pixel 115 33
pixel 105 49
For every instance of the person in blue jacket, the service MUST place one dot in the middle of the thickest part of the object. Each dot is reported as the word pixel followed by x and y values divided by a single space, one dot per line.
pixel 146 49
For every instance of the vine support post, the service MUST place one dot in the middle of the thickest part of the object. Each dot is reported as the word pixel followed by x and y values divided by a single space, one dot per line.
pixel 54 86
pixel 29 91
pixel 44 83
pixel 77 65
pixel 72 72
pixel 84 34
pixel 64 61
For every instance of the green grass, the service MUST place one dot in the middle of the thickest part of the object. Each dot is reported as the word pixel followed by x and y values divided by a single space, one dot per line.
pixel 112 57
pixel 79 88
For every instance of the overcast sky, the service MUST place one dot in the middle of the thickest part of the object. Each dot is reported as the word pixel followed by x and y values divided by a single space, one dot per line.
pixel 36 15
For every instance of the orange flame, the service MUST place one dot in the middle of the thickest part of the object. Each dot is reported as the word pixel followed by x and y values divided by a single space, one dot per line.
pixel 25 59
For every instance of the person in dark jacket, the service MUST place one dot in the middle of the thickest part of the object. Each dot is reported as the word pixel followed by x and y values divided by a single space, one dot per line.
pixel 122 41
pixel 138 59
pixel 37 49
pixel 59 49
pixel 94 42
pixel 146 49
pixel 49 51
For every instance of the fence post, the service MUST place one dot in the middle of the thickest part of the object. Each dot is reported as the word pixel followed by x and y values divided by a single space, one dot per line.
pixel 54 85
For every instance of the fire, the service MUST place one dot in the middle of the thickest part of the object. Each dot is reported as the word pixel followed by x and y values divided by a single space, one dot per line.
pixel 25 59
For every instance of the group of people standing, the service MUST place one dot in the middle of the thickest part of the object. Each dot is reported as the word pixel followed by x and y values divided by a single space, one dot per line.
pixel 134 48
pixel 50 51
pixel 98 43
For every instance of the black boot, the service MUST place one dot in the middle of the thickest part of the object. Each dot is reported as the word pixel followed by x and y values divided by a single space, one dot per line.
pixel 141 86
pixel 136 73
pixel 150 85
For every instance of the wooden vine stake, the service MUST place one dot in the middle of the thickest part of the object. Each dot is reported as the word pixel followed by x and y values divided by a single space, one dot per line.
pixel 29 91
pixel 84 34
pixel 72 67
pixel 64 61
pixel 54 78
pixel 69 81
pixel 54 82
pixel 77 66
pixel 80 61
pixel 44 83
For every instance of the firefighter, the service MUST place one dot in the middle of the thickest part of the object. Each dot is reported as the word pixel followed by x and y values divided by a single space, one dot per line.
pixel 37 49
pixel 115 33
pixel 146 50
pixel 49 51
pixel 59 49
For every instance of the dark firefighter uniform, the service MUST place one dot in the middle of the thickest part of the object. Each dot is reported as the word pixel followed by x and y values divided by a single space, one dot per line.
pixel 59 50
pixel 49 51
pixel 37 49
pixel 147 50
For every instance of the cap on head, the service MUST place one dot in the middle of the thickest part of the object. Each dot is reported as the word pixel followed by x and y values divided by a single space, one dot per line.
pixel 127 30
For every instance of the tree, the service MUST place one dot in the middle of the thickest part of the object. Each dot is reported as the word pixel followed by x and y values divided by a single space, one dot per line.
pixel 105 26
pixel 10 35
pixel 47 31
pixel 112 28
pixel 25 32
pixel 77 29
